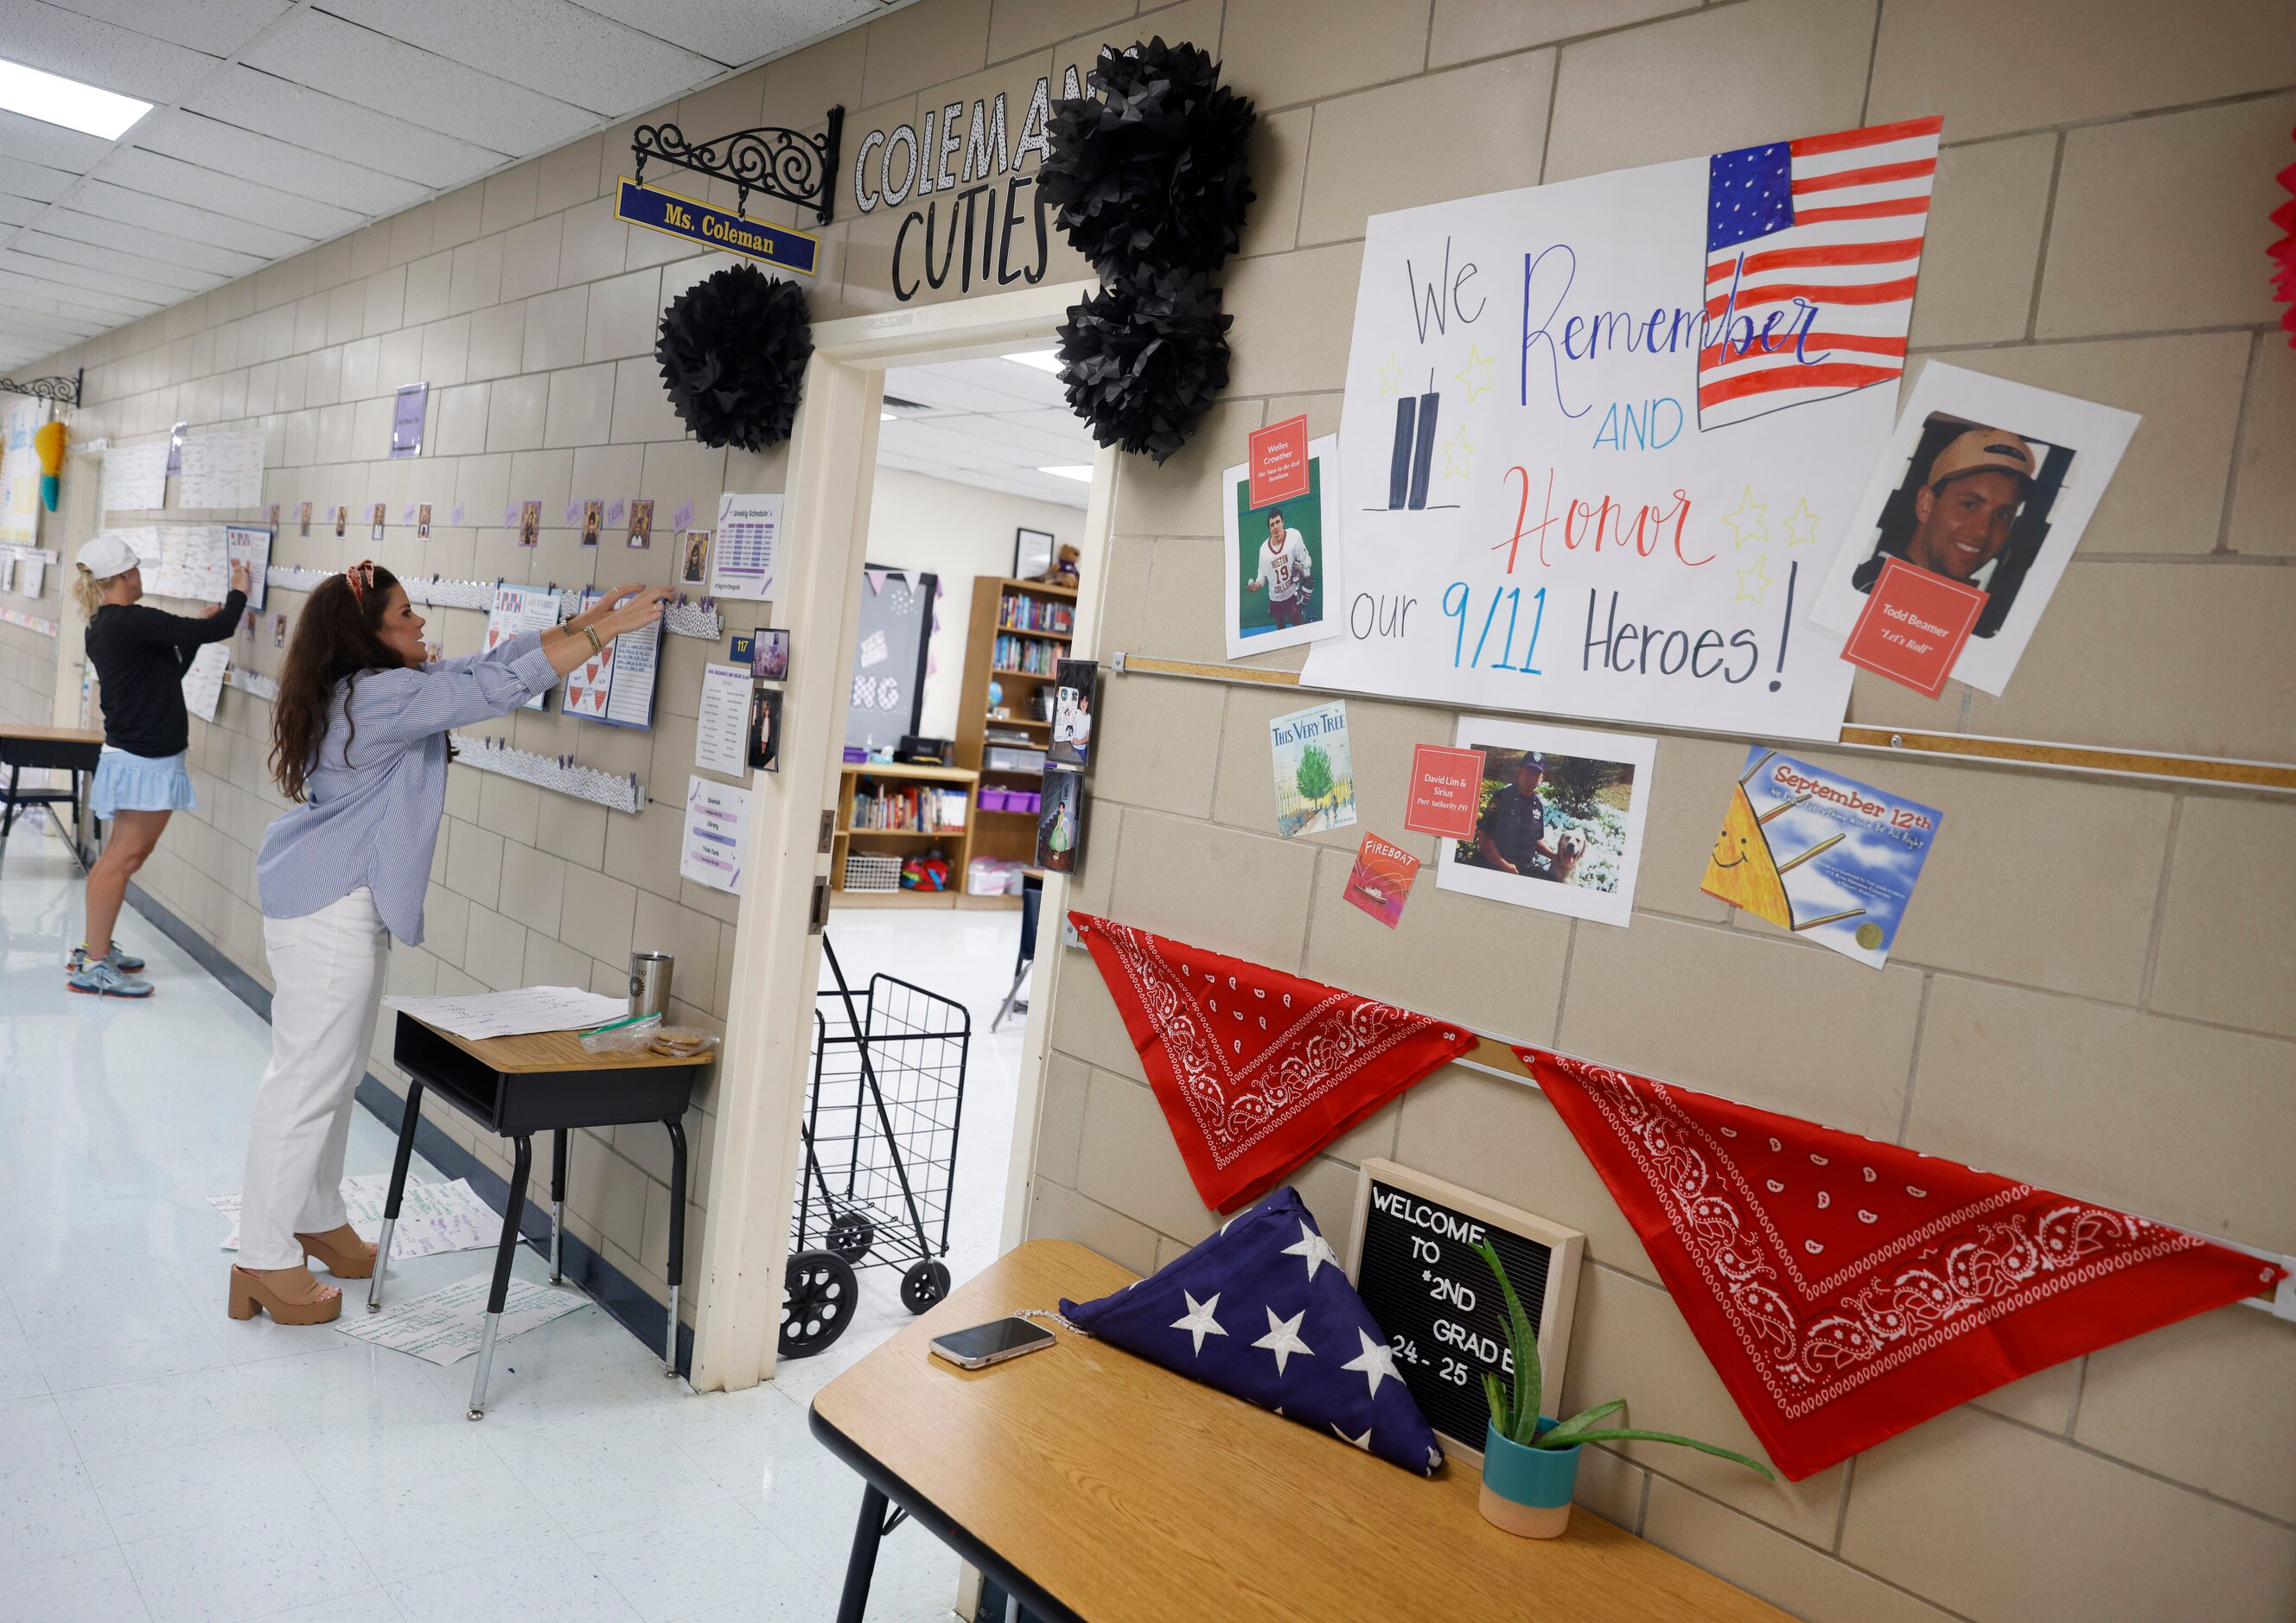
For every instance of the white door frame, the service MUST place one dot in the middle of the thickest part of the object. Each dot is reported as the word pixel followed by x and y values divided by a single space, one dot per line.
pixel 766 1062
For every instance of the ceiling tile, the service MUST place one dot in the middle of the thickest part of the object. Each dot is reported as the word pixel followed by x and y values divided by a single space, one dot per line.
pixel 163 276
pixel 95 53
pixel 32 141
pixel 232 151
pixel 166 177
pixel 554 46
pixel 87 280
pixel 34 294
pixel 736 32
pixel 80 227
pixel 225 230
pixel 307 118
pixel 19 210
pixel 218 26
pixel 34 180
pixel 389 76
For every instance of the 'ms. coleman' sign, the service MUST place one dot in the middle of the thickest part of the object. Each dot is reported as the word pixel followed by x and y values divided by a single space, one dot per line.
pixel 973 216
pixel 1415 1265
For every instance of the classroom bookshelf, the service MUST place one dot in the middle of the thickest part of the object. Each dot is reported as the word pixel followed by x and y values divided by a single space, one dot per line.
pixel 1021 630
pixel 888 811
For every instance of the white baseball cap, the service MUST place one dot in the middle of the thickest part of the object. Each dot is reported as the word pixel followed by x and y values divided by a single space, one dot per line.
pixel 107 555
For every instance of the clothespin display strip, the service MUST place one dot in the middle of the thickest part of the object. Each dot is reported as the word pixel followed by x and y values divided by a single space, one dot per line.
pixel 693 619
pixel 682 619
pixel 253 682
pixel 562 774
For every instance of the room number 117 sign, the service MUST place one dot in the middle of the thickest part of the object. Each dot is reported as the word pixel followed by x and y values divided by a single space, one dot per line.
pixel 1602 437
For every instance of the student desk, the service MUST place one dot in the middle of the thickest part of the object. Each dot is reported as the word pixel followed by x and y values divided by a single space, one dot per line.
pixel 69 750
pixel 1094 1485
pixel 522 1085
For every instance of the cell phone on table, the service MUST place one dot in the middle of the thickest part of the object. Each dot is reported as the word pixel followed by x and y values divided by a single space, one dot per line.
pixel 991 1343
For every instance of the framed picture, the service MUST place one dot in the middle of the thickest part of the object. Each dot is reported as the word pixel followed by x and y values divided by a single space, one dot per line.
pixel 1558 820
pixel 770 655
pixel 1032 553
pixel 693 558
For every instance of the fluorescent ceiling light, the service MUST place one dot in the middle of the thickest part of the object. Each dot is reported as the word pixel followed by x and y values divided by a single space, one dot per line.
pixel 1043 360
pixel 883 415
pixel 54 100
pixel 1083 475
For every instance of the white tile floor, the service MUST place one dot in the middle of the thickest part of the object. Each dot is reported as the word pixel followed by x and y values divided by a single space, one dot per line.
pixel 159 1461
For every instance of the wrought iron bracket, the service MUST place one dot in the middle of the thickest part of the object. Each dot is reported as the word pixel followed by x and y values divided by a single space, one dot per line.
pixel 786 163
pixel 63 391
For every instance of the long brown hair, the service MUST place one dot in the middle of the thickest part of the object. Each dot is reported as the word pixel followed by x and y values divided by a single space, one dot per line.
pixel 337 637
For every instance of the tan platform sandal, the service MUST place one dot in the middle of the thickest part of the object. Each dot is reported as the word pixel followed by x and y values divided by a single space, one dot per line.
pixel 345 1255
pixel 288 1301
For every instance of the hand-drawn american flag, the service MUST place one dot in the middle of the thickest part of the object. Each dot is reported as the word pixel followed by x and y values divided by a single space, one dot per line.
pixel 1812 250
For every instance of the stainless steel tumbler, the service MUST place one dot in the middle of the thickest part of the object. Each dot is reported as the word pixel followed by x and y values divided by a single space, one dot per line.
pixel 650 974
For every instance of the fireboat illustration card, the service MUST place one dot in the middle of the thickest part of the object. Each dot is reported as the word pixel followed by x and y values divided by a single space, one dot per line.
pixel 1821 854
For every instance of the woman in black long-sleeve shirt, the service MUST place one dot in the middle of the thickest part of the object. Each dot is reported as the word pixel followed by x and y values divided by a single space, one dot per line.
pixel 140 656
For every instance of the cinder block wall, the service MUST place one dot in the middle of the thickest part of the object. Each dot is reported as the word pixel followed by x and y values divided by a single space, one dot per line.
pixel 2095 987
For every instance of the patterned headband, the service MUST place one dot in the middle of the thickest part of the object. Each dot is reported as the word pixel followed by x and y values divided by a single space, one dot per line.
pixel 361 576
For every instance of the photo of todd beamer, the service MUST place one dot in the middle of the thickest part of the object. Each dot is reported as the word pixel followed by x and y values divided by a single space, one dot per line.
pixel 1283 559
pixel 1989 485
pixel 1560 827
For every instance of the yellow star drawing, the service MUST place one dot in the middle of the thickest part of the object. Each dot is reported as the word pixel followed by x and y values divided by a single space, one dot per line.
pixel 1476 374
pixel 1745 594
pixel 1390 376
pixel 1455 453
pixel 1801 525
pixel 1749 521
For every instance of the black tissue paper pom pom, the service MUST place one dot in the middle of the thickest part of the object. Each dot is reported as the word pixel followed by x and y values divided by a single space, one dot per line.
pixel 1150 170
pixel 1144 356
pixel 733 351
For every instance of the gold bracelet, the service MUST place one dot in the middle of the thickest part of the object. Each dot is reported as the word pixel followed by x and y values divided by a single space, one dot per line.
pixel 595 645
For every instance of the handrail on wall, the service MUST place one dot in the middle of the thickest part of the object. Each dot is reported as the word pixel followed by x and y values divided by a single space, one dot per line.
pixel 2199 771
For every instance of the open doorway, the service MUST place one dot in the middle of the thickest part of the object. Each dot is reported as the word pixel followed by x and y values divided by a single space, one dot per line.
pixel 970 583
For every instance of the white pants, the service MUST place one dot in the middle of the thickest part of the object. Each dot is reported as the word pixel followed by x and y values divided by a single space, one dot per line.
pixel 327 971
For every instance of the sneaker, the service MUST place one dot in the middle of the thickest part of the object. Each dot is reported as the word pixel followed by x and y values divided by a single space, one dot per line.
pixel 118 960
pixel 104 978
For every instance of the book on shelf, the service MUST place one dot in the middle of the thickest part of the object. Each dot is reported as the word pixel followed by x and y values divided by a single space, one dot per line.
pixel 1019 612
pixel 913 810
pixel 1024 656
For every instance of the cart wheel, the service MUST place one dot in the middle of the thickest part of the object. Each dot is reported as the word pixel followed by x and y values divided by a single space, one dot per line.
pixel 851 1235
pixel 817 1297
pixel 924 1285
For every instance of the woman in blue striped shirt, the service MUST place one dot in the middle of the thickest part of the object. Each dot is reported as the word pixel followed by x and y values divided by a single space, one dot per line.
pixel 359 743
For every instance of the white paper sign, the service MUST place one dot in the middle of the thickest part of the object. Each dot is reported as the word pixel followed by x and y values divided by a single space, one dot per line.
pixel 204 683
pixel 194 563
pixel 721 739
pixel 742 560
pixel 716 827
pixel 432 1217
pixel 249 545
pixel 31 574
pixel 134 478
pixel 222 470
pixel 518 610
pixel 445 1326
pixel 1602 437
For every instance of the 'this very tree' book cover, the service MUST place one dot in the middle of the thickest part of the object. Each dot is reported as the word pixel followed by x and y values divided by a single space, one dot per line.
pixel 1315 775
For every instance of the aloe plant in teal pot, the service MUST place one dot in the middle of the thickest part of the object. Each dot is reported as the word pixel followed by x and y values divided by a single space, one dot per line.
pixel 1531 1462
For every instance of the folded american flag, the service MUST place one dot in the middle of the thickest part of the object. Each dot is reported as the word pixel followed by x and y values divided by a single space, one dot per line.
pixel 1263 1311
pixel 1812 249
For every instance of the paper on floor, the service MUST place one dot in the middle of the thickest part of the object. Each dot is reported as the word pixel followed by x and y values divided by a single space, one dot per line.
pixel 444 1326
pixel 432 1217
pixel 515 1012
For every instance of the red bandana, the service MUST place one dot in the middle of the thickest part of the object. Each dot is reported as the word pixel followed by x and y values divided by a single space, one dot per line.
pixel 1845 1290
pixel 1257 1070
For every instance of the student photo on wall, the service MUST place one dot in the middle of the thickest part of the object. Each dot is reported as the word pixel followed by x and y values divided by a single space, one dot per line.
pixel 422 522
pixel 304 519
pixel 1987 486
pixel 374 523
pixel 770 656
pixel 1072 712
pixel 342 518
pixel 766 729
pixel 529 524
pixel 1281 586
pixel 641 523
pixel 594 514
pixel 1060 820
pixel 693 568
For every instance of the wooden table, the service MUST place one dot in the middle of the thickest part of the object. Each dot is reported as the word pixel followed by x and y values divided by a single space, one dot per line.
pixel 73 750
pixel 521 1085
pixel 1092 1484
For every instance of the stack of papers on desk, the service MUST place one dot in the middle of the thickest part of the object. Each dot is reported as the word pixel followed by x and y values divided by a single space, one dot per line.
pixel 515 1013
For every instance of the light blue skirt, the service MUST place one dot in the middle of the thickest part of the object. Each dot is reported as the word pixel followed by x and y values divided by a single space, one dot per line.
pixel 126 781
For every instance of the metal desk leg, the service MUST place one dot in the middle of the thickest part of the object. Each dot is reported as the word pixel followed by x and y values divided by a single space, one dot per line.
pixel 557 1199
pixel 513 1212
pixel 861 1565
pixel 676 1239
pixel 8 815
pixel 407 1123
